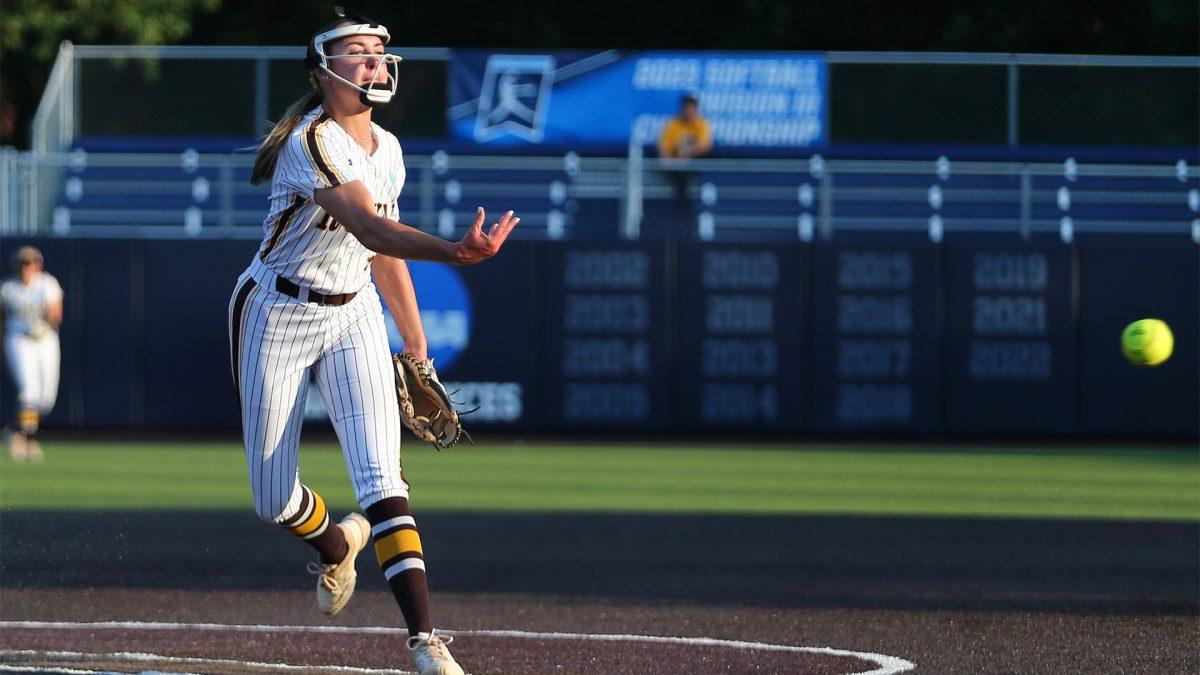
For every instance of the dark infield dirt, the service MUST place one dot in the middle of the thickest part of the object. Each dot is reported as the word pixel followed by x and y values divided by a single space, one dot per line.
pixel 952 596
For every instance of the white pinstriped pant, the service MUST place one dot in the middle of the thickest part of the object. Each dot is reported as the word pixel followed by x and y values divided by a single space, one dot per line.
pixel 34 365
pixel 275 339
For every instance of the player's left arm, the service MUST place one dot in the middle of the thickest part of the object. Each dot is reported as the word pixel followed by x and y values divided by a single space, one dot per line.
pixel 395 284
pixel 54 304
pixel 54 313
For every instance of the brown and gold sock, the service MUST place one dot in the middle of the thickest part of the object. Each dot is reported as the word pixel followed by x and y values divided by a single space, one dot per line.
pixel 398 550
pixel 28 421
pixel 311 523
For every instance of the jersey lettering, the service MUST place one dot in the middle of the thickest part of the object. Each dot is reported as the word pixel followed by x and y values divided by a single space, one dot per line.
pixel 303 243
pixel 329 223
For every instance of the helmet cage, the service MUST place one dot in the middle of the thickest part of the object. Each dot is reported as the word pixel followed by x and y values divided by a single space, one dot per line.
pixel 371 95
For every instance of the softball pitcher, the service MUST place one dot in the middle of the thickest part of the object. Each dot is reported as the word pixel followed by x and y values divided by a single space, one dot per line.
pixel 32 304
pixel 307 301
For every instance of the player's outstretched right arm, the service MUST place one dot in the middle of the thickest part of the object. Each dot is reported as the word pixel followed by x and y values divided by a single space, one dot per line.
pixel 351 205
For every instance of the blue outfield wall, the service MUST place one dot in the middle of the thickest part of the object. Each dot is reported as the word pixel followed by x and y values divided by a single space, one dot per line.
pixel 981 334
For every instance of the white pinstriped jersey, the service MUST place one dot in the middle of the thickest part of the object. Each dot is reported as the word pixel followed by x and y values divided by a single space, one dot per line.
pixel 26 305
pixel 301 242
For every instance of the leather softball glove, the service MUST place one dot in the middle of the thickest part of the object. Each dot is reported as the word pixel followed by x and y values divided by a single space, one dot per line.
pixel 425 407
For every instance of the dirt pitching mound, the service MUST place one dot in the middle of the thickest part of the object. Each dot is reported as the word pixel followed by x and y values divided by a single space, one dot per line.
pixel 216 648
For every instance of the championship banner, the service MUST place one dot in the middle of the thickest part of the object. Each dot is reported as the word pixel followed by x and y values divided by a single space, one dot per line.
pixel 586 99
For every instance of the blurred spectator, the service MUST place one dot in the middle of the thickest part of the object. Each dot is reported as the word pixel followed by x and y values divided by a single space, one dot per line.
pixel 686 136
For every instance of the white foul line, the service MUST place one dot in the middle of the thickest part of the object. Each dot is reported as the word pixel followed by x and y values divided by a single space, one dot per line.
pixel 135 657
pixel 54 669
pixel 888 665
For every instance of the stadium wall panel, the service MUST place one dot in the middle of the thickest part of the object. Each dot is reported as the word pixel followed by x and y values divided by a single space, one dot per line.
pixel 1122 280
pixel 859 334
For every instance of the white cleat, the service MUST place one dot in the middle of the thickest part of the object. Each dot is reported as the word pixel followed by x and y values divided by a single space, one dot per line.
pixel 431 657
pixel 335 582
pixel 18 446
pixel 33 451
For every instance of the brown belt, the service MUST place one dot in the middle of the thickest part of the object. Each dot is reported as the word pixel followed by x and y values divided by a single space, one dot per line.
pixel 288 288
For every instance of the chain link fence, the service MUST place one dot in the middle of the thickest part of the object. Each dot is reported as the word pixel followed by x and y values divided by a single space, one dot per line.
pixel 873 98
pixel 918 103
pixel 227 92
pixel 1138 106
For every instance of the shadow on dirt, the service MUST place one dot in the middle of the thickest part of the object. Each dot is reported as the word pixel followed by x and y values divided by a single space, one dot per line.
pixel 899 563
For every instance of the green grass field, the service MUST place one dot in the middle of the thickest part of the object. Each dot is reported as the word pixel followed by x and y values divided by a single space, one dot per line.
pixel 754 479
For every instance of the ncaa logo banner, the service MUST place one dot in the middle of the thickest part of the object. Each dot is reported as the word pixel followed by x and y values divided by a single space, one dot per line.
pixel 445 305
pixel 514 97
pixel 448 317
pixel 602 100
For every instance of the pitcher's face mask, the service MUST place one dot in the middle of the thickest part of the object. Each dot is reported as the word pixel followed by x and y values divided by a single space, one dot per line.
pixel 382 87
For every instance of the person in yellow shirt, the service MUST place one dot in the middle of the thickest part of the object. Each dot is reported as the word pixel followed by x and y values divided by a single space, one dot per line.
pixel 686 136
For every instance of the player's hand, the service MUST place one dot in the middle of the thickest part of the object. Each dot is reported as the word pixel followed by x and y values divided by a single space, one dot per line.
pixel 478 245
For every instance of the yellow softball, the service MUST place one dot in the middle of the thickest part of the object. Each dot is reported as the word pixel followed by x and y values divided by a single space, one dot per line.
pixel 1147 342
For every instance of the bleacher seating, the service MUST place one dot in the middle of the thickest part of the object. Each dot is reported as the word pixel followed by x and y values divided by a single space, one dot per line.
pixel 202 189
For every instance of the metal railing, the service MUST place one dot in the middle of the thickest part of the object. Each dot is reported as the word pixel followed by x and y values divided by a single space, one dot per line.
pixel 810 191
pixel 54 125
pixel 207 195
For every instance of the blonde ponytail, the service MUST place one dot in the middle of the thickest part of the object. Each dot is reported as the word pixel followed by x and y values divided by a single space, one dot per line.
pixel 268 150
